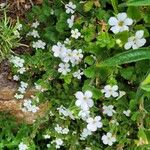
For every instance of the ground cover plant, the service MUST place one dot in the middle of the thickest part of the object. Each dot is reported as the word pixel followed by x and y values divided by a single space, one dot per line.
pixel 89 61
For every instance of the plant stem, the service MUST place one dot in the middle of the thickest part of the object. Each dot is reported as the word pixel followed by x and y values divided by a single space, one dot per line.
pixel 115 5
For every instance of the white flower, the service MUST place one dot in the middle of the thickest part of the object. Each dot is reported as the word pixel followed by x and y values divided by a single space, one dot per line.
pixel 48 145
pixel 110 91
pixel 65 131
pixel 22 146
pixel 120 23
pixel 33 109
pixel 58 142
pixel 68 56
pixel 27 103
pixel 29 107
pixel 94 123
pixel 46 136
pixel 75 33
pixel 127 112
pixel 24 84
pixel 84 114
pixel 39 44
pixel 39 87
pixel 70 8
pixel 64 68
pixel 121 94
pixel 18 96
pixel 17 34
pixel 35 24
pixel 136 41
pixel 19 27
pixel 17 61
pixel 70 21
pixel 87 148
pixel 34 33
pixel 108 110
pixel 66 112
pixel 84 100
pixel 16 78
pixel 58 129
pixel 21 90
pixel 59 50
pixel 21 70
pixel 67 41
pixel 85 133
pixel 78 74
pixel 77 54
pixel 108 139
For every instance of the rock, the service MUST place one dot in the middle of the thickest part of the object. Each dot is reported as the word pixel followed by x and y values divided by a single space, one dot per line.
pixel 8 104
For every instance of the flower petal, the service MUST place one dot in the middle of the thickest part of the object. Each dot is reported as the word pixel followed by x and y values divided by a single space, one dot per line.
pixel 128 21
pixel 140 42
pixel 88 94
pixel 115 29
pixel 113 21
pixel 139 34
pixel 122 16
pixel 128 45
pixel 79 95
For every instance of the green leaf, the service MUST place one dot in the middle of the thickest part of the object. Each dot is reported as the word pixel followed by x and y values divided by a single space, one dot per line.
pixel 147 104
pixel 127 57
pixel 90 72
pixel 89 60
pixel 138 3
pixel 88 6
pixel 146 88
pixel 133 12
pixel 127 73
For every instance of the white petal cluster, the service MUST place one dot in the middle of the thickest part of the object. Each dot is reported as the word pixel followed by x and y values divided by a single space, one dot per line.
pixel 78 74
pixel 108 139
pixel 18 96
pixel 120 23
pixel 19 26
pixel 35 24
pixel 110 91
pixel 18 63
pixel 21 90
pixel 61 130
pixel 70 21
pixel 28 106
pixel 65 112
pixel 39 44
pixel 16 78
pixel 34 33
pixel 67 41
pixel 136 41
pixel 127 112
pixel 85 133
pixel 75 33
pixel 22 146
pixel 70 8
pixel 46 136
pixel 59 142
pixel 84 100
pixel 64 68
pixel 67 56
pixel 94 123
pixel 108 110
pixel 84 114
pixel 39 87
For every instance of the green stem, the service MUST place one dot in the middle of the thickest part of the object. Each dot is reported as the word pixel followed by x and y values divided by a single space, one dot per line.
pixel 115 5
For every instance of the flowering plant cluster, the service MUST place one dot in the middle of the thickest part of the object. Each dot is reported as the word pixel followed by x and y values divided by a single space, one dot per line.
pixel 90 63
